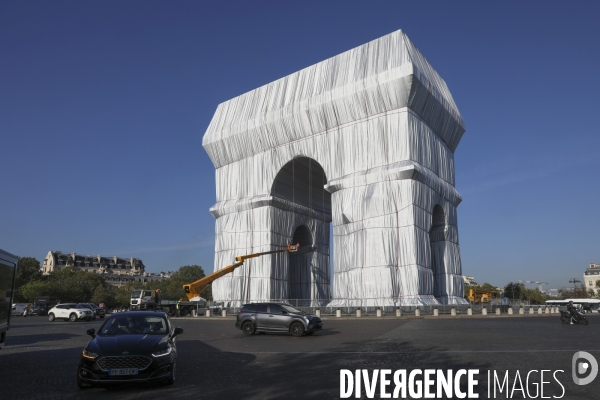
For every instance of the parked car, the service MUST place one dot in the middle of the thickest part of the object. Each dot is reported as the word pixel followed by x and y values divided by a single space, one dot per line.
pixel 87 307
pixel 135 346
pixel 70 312
pixel 99 312
pixel 38 309
pixel 276 317
pixel 20 309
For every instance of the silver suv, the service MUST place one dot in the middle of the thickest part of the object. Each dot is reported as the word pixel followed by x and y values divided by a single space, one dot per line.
pixel 276 317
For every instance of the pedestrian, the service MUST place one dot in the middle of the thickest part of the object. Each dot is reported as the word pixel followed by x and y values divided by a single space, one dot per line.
pixel 177 307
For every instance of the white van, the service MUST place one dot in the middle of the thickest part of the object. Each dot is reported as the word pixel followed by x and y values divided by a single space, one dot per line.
pixel 20 309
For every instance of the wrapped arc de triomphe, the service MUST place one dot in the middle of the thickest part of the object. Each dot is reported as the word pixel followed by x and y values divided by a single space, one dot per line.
pixel 364 140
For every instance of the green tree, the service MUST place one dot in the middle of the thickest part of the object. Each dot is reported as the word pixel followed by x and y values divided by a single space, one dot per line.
pixel 514 291
pixel 173 287
pixel 34 289
pixel 28 270
pixel 122 295
pixel 534 296
pixel 103 295
pixel 66 284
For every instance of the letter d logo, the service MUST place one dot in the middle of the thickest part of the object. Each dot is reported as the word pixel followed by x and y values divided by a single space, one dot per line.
pixel 584 367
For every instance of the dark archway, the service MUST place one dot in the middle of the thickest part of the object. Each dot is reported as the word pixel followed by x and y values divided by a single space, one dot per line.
pixel 437 238
pixel 301 265
pixel 438 218
pixel 303 236
pixel 302 182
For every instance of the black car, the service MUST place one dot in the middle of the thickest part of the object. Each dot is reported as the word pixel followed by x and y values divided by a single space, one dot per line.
pixel 136 346
pixel 276 317
pixel 38 309
pixel 99 312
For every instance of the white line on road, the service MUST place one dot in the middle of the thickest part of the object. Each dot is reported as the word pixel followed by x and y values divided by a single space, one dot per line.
pixel 400 352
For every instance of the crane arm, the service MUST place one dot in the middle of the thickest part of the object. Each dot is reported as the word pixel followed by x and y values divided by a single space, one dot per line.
pixel 196 288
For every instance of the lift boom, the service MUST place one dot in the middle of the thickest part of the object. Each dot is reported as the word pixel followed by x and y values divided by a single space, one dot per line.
pixel 196 288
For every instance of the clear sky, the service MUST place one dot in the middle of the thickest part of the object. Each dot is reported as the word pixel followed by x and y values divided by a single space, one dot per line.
pixel 103 106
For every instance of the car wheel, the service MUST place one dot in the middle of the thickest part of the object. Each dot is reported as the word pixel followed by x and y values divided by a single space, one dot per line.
pixel 73 317
pixel 297 329
pixel 248 328
pixel 102 316
pixel 51 317
pixel 171 379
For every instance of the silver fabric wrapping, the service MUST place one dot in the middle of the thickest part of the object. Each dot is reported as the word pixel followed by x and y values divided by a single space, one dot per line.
pixel 383 126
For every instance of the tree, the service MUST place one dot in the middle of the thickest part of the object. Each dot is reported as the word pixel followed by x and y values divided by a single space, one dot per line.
pixel 534 296
pixel 514 291
pixel 103 295
pixel 33 289
pixel 66 284
pixel 173 287
pixel 28 270
pixel 122 295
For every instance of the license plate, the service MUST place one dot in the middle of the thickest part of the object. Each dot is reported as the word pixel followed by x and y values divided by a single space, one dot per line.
pixel 123 371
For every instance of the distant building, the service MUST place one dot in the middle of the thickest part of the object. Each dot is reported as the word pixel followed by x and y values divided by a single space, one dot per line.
pixel 469 280
pixel 591 276
pixel 117 271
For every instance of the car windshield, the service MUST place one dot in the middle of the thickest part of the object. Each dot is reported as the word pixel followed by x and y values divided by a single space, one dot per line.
pixel 136 294
pixel 291 309
pixel 134 325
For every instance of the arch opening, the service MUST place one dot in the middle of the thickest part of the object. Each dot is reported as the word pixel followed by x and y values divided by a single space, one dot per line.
pixel 438 218
pixel 437 243
pixel 303 236
pixel 302 181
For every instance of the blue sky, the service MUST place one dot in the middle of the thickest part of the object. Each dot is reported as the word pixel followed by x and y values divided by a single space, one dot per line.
pixel 103 106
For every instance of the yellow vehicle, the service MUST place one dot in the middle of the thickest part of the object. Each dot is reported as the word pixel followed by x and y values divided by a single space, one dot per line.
pixel 480 296
pixel 195 289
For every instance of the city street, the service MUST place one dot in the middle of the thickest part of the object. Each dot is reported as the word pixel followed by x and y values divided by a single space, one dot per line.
pixel 216 361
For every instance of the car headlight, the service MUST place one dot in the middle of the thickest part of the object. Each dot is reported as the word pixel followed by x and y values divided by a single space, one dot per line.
pixel 88 354
pixel 162 353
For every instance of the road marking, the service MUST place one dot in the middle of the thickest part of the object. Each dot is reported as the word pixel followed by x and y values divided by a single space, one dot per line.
pixel 399 352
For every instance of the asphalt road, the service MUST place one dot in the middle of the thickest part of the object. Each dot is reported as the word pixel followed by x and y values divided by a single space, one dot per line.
pixel 216 361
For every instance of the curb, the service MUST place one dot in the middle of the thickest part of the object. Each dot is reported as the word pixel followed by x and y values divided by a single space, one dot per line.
pixel 383 318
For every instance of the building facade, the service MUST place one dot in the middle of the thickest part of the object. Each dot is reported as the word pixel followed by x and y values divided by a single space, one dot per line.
pixel 591 276
pixel 117 271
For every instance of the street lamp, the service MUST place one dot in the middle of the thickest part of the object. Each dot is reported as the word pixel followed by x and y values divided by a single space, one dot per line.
pixel 574 281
